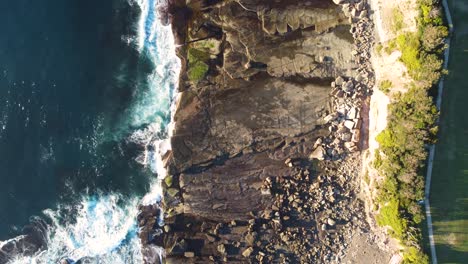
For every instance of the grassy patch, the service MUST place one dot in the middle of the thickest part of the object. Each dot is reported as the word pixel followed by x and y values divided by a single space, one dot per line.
pixel 385 86
pixel 379 48
pixel 366 177
pixel 197 71
pixel 397 20
pixel 391 46
pixel 198 67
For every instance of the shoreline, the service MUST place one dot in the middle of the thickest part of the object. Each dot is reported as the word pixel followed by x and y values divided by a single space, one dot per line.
pixel 182 83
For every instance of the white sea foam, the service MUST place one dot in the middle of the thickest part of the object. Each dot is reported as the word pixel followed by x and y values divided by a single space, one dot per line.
pixel 104 226
pixel 157 104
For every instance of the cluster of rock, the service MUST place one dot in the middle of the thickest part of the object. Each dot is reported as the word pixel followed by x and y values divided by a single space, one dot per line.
pixel 34 238
pixel 349 93
pixel 314 213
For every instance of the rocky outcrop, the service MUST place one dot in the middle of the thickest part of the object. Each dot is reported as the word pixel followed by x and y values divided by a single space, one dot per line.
pixel 33 239
pixel 266 146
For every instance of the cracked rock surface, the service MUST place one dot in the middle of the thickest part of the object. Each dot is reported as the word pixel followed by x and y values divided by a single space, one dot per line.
pixel 265 154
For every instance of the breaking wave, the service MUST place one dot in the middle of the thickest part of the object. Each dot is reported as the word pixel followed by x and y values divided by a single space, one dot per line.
pixel 102 228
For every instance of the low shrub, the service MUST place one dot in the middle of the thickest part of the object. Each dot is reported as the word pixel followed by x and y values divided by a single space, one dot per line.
pixel 385 86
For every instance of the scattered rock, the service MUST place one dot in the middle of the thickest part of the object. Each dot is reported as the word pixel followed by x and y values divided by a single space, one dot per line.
pixel 221 248
pixel 349 124
pixel 339 81
pixel 330 117
pixel 189 254
pixel 318 153
pixel 246 253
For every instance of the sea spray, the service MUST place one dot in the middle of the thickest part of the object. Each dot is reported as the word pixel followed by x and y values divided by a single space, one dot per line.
pixel 103 229
pixel 157 40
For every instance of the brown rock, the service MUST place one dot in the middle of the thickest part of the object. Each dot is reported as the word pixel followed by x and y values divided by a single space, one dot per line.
pixel 246 253
pixel 189 254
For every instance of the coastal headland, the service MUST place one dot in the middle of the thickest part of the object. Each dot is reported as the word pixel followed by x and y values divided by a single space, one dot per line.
pixel 270 122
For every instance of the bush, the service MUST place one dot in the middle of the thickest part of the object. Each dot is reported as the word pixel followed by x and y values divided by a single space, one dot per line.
pixel 389 215
pixel 414 255
pixel 385 86
pixel 378 48
pixel 409 45
pixel 433 37
pixel 401 158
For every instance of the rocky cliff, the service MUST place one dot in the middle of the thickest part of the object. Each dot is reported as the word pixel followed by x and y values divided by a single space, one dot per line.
pixel 265 159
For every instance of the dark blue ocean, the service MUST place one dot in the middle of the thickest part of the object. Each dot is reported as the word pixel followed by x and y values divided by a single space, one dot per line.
pixel 85 93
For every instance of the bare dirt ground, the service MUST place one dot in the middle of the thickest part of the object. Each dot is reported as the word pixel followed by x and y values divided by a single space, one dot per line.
pixel 363 250
pixel 387 65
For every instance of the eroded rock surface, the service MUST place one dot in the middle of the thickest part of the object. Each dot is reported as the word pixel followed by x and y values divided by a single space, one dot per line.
pixel 265 159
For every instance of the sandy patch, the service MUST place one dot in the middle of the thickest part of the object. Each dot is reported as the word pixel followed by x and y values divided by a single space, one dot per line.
pixel 383 13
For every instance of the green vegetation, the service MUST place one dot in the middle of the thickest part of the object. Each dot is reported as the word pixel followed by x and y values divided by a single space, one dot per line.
pixel 411 126
pixel 385 86
pixel 378 48
pixel 401 158
pixel 198 67
pixel 449 188
pixel 397 20
pixel 390 216
pixel 197 71
pixel 392 45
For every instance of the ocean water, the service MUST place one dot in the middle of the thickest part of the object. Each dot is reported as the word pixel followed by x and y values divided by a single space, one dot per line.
pixel 86 89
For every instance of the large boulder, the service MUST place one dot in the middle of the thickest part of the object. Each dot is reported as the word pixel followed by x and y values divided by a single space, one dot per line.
pixel 319 153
